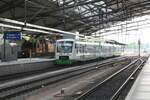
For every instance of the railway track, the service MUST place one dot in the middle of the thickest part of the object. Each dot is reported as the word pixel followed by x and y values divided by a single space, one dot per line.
pixel 18 87
pixel 11 77
pixel 111 87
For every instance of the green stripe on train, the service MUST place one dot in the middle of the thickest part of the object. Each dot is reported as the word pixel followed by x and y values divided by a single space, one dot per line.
pixel 65 61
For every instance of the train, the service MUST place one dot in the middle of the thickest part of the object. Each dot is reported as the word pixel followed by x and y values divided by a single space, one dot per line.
pixel 69 51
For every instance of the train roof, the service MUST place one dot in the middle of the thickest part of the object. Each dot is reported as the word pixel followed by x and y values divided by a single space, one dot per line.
pixel 66 40
pixel 103 43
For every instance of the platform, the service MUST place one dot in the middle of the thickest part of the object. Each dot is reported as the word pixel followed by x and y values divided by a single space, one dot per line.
pixel 25 60
pixel 24 65
pixel 141 88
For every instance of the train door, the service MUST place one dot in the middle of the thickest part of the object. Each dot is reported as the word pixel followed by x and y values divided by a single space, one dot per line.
pixel 99 49
pixel 83 51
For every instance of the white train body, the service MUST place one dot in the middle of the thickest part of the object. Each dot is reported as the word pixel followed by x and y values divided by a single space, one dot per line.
pixel 70 50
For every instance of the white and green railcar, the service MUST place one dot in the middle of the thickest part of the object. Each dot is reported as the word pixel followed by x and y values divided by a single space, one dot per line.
pixel 69 51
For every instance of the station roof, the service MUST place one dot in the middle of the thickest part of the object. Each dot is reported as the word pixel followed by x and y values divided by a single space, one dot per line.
pixel 85 16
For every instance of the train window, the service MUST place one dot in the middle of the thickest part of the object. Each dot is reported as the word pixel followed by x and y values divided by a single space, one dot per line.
pixel 77 48
pixel 65 46
pixel 75 45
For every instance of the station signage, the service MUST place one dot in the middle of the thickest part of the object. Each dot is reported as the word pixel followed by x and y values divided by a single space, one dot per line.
pixel 12 35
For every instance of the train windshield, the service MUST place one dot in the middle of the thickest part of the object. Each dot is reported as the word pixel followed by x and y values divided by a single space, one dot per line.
pixel 64 46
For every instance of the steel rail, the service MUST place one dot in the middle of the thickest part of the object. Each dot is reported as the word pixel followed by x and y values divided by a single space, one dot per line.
pixel 53 74
pixel 116 94
pixel 81 97
pixel 31 85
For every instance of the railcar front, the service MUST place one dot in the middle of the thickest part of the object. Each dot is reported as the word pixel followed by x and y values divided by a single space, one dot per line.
pixel 64 51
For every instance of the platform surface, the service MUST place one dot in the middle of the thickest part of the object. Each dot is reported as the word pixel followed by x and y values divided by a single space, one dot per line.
pixel 141 88
pixel 26 60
